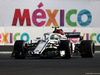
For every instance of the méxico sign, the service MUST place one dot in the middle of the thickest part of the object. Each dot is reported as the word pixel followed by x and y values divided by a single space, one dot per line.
pixel 47 13
pixel 35 16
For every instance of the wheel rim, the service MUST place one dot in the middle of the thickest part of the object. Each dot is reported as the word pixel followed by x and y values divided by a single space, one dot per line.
pixel 92 49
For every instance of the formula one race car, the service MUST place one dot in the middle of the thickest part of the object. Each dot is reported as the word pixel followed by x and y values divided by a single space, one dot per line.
pixel 55 44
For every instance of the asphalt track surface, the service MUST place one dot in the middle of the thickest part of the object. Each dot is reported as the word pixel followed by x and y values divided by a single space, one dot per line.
pixel 55 66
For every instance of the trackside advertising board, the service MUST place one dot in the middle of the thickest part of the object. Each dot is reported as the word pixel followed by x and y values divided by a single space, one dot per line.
pixel 28 19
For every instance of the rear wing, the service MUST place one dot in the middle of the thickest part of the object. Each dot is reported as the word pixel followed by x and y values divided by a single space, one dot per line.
pixel 72 34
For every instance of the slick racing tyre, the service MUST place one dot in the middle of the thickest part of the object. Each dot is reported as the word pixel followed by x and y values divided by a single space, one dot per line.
pixel 19 49
pixel 87 49
pixel 65 49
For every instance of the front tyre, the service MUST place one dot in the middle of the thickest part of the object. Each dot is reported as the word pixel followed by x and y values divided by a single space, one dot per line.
pixel 65 49
pixel 19 49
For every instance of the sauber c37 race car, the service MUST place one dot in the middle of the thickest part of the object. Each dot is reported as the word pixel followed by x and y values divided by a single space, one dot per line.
pixel 55 44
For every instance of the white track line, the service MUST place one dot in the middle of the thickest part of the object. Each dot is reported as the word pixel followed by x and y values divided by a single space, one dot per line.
pixel 5 52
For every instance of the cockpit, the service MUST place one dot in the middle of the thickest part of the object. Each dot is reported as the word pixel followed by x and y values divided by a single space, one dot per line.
pixel 55 37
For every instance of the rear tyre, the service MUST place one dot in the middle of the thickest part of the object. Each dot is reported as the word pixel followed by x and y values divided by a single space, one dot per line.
pixel 19 49
pixel 66 46
pixel 87 49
